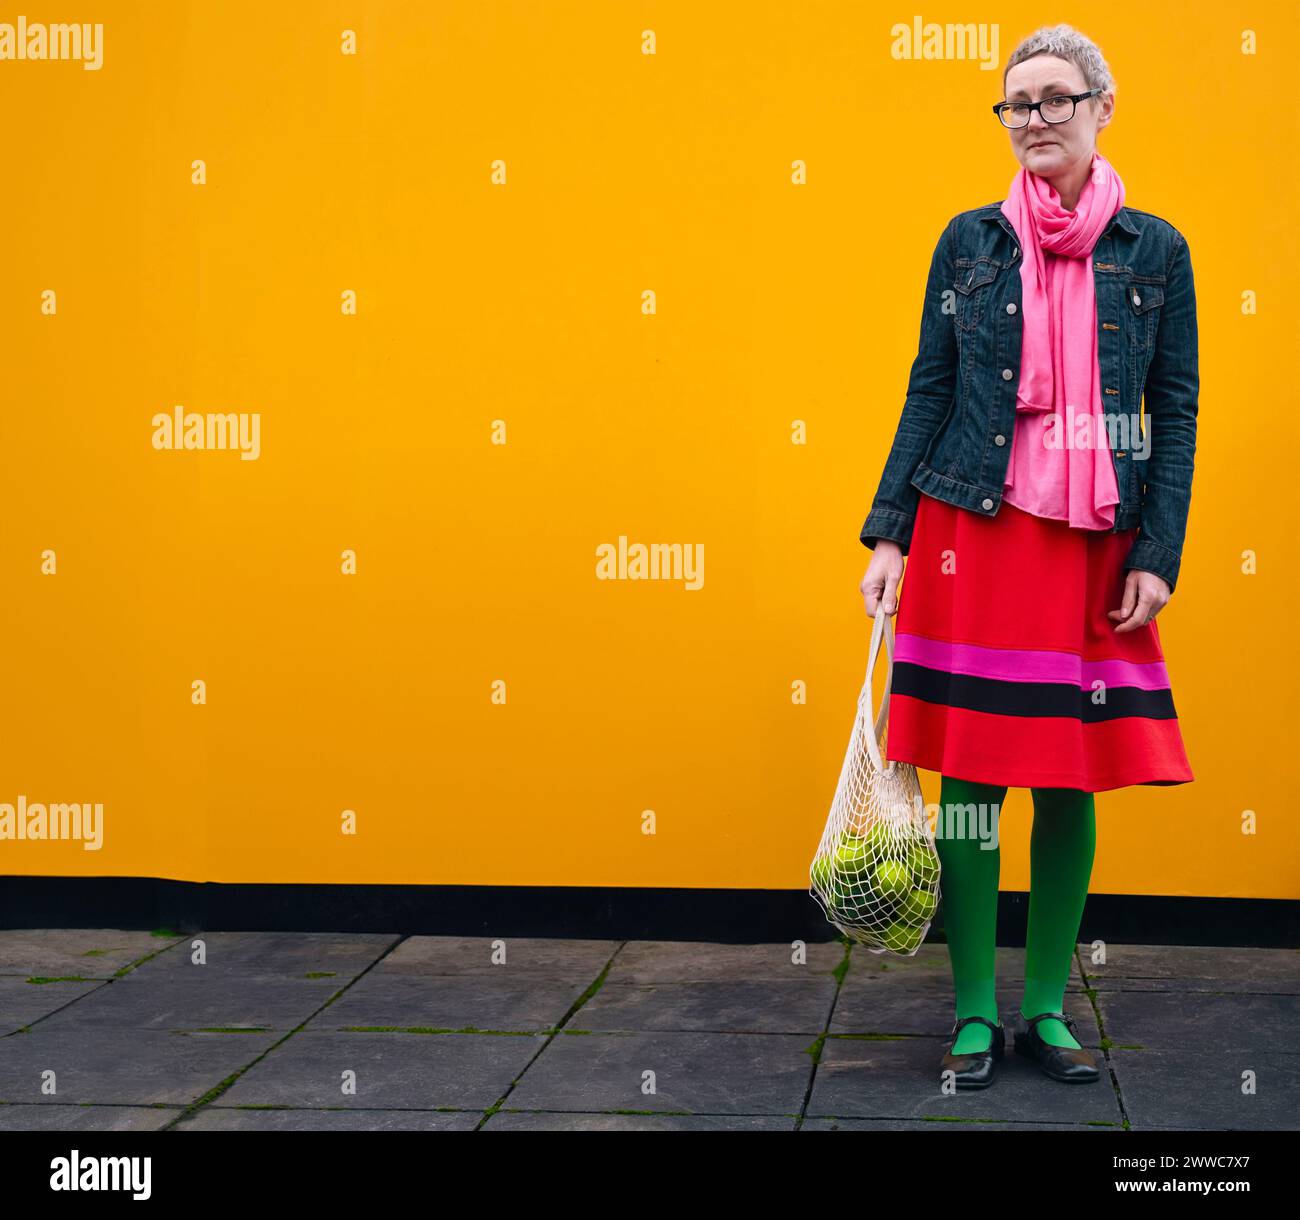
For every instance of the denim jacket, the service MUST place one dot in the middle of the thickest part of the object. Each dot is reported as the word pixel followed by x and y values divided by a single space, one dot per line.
pixel 954 435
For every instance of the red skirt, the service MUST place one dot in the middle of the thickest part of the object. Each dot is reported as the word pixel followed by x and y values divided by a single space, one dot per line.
pixel 1006 667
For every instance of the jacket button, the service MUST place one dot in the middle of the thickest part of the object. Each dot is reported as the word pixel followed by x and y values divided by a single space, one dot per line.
pixel 998 440
pixel 1120 452
pixel 988 504
pixel 1012 307
pixel 1137 300
pixel 1006 374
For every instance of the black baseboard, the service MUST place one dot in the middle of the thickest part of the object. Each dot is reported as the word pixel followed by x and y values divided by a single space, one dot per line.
pixel 729 916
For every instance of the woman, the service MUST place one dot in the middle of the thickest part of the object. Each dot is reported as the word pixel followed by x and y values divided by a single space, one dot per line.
pixel 1043 520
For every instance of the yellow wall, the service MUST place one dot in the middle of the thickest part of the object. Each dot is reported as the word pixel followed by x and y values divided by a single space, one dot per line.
pixel 522 302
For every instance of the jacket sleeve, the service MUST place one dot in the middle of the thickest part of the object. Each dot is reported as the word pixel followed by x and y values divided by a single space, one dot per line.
pixel 1171 392
pixel 930 391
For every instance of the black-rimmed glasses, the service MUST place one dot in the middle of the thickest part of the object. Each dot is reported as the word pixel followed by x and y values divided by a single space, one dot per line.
pixel 1059 109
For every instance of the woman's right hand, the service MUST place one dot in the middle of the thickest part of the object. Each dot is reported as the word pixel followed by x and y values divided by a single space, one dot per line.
pixel 885 570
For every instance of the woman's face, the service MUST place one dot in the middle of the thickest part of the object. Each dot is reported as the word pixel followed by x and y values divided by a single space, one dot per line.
pixel 1051 150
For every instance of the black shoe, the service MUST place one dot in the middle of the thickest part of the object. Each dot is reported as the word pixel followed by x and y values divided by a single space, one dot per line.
pixel 1066 1063
pixel 974 1071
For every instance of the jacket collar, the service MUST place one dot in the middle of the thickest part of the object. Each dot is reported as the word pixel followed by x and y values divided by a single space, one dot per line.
pixel 1125 222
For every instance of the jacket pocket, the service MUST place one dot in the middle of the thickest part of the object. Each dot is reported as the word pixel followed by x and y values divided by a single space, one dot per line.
pixel 1144 302
pixel 1143 298
pixel 971 285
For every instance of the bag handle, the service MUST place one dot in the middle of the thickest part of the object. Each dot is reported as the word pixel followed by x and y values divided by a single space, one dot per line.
pixel 883 629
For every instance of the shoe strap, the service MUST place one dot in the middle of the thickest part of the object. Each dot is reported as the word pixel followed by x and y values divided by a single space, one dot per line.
pixel 965 1021
pixel 1067 1021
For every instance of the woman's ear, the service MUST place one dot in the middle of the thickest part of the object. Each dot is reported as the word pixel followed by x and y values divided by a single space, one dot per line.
pixel 1106 112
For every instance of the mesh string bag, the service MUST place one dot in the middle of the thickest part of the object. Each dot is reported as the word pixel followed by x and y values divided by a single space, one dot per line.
pixel 876 871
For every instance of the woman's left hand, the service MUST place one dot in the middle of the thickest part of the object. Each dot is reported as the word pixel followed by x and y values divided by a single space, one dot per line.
pixel 1145 595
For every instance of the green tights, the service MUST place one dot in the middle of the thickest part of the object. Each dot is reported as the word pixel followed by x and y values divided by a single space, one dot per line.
pixel 1061 849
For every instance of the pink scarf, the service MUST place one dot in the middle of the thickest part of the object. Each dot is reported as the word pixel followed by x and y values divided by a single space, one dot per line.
pixel 1060 467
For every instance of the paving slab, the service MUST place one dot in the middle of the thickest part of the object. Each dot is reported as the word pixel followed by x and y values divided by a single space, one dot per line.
pixel 122 1066
pixel 75 952
pixel 571 959
pixel 775 1006
pixel 23 1002
pixel 1165 961
pixel 507 1001
pixel 86 1118
pixel 197 999
pixel 1186 1090
pixel 1237 986
pixel 926 1007
pixel 504 1120
pixel 1201 1021
pixel 222 1118
pixel 898 1079
pixel 932 959
pixel 695 1073
pixel 655 961
pixel 1193 968
pixel 392 1071
pixel 292 954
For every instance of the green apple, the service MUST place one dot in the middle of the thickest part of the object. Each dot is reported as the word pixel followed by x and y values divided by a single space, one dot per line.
pixel 924 863
pixel 901 938
pixel 852 907
pixel 851 858
pixel 892 879
pixel 821 874
pixel 918 906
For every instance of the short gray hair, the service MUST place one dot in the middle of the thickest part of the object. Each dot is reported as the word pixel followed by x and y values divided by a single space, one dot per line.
pixel 1065 42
